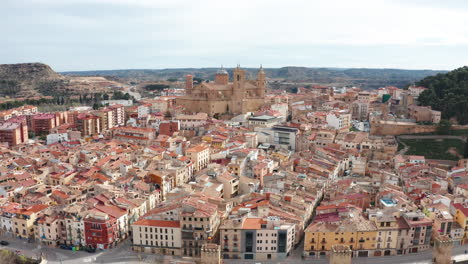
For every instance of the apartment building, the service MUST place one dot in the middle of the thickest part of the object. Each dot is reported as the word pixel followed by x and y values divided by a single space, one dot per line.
pixel 13 133
pixel 199 155
pixel 23 222
pixel 339 120
pixel 157 236
pixel 257 238
pixel 42 123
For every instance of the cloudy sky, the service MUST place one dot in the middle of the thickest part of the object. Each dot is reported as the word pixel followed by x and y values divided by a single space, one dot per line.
pixel 137 34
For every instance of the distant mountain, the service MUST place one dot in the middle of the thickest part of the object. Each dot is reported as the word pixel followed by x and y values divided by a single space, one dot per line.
pixel 27 79
pixel 366 78
pixel 447 93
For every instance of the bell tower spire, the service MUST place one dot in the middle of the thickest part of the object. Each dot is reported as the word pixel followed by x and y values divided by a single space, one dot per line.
pixel 261 82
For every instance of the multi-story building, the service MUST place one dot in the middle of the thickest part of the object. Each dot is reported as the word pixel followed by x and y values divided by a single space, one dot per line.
pixel 349 229
pixel 23 222
pixel 88 124
pixel 100 229
pixel 387 233
pixel 420 231
pixel 13 133
pixel 48 230
pixel 339 120
pixel 199 155
pixel 257 238
pixel 460 210
pixel 136 134
pixel 192 122
pixel 157 236
pixel 278 136
pixel 106 118
pixel 118 115
pixel 360 110
pixel 42 123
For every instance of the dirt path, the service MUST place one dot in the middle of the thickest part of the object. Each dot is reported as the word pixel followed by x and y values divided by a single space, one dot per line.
pixel 432 137
pixel 403 150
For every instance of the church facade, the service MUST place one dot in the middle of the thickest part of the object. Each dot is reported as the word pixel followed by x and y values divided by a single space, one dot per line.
pixel 222 96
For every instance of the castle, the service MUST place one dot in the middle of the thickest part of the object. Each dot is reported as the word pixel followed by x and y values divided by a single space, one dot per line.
pixel 221 96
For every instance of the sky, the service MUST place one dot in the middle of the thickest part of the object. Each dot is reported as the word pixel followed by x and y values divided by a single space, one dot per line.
pixel 78 35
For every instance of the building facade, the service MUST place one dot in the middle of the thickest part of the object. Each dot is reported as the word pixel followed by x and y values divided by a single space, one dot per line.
pixel 222 96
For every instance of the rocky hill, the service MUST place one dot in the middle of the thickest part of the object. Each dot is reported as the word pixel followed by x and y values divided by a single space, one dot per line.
pixel 366 78
pixel 28 79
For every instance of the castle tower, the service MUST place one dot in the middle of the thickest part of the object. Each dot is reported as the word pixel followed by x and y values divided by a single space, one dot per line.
pixel 261 82
pixel 188 84
pixel 340 254
pixel 442 250
pixel 210 254
pixel 222 76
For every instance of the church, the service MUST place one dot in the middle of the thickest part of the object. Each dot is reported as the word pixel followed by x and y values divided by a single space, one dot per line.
pixel 225 97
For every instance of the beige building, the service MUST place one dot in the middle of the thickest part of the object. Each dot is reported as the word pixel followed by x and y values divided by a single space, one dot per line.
pixel 106 118
pixel 222 96
pixel 387 233
pixel 23 223
pixel 157 236
pixel 199 155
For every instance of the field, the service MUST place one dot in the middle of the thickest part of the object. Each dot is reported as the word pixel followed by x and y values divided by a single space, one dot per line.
pixel 441 149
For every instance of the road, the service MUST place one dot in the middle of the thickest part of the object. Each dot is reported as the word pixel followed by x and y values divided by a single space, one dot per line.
pixel 123 254
pixel 424 257
pixel 120 254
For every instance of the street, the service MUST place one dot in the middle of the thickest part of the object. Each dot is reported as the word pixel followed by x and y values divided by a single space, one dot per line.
pixel 123 254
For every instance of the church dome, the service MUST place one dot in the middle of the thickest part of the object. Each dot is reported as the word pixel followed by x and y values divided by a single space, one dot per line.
pixel 222 71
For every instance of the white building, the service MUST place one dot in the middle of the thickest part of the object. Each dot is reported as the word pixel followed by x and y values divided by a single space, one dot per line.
pixel 340 120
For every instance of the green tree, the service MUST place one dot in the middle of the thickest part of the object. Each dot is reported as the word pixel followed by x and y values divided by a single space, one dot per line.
pixel 465 154
pixel 444 127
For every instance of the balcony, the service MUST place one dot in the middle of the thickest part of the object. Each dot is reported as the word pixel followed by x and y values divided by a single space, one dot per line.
pixel 187 229
pixel 323 242
pixel 362 240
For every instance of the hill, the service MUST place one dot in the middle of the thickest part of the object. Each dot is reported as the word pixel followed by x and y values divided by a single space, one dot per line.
pixel 366 78
pixel 27 79
pixel 36 79
pixel 448 93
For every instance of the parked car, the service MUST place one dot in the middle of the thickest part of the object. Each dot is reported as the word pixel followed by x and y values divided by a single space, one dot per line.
pixel 4 243
pixel 65 247
pixel 90 250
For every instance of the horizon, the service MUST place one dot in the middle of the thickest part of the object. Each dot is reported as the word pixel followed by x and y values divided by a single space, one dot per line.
pixel 85 35
pixel 253 68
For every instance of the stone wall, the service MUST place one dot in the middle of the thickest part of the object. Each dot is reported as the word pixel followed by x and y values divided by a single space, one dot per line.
pixel 394 128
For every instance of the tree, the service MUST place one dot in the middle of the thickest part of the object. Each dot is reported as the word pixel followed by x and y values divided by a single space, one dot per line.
pixel 447 93
pixel 156 87
pixel 444 127
pixel 465 155
pixel 172 80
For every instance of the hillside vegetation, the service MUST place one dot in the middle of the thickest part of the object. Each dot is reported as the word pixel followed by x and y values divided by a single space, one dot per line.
pixel 28 79
pixel 447 93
